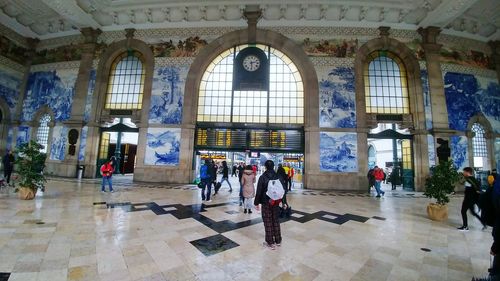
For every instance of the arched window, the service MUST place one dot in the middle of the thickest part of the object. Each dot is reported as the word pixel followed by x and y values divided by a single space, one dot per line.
pixel 479 148
pixel 42 135
pixel 283 103
pixel 386 87
pixel 126 82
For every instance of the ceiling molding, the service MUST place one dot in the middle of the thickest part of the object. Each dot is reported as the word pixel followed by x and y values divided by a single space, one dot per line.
pixel 445 13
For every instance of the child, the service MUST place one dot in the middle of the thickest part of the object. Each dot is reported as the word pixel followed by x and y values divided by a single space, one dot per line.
pixel 248 181
pixel 471 195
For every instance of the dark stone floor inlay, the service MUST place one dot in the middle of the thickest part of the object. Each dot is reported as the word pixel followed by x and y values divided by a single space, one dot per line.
pixel 425 249
pixel 4 276
pixel 195 211
pixel 214 244
pixel 379 218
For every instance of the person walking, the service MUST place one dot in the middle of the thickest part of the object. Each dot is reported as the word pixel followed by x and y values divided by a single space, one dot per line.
pixel 378 174
pixel 206 180
pixel 8 165
pixel 371 179
pixel 286 166
pixel 240 174
pixel 248 181
pixel 107 171
pixel 471 196
pixel 225 175
pixel 495 247
pixel 291 173
pixel 269 213
pixel 235 168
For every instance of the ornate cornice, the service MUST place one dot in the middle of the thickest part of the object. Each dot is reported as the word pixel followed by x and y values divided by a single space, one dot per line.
pixel 11 67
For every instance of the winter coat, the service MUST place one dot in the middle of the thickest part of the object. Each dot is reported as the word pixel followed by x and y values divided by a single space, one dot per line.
pixel 248 181
pixel 378 174
pixel 225 172
pixel 260 195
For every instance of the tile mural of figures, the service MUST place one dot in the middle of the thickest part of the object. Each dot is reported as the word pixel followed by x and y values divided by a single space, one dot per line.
pixel 58 145
pixel 52 88
pixel 337 98
pixel 23 135
pixel 163 146
pixel 467 95
pixel 187 48
pixel 167 95
pixel 427 99
pixel 9 90
pixel 338 152
pixel 83 143
pixel 459 155
pixel 90 92
pixel 340 48
pixel 432 150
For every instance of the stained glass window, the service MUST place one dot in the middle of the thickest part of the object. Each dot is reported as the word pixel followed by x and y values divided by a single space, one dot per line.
pixel 126 82
pixel 386 87
pixel 283 103
pixel 42 135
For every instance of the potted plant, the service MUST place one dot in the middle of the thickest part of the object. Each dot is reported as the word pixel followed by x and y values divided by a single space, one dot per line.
pixel 439 186
pixel 30 164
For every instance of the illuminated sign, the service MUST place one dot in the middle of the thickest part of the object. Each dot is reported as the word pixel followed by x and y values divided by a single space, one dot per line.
pixel 213 156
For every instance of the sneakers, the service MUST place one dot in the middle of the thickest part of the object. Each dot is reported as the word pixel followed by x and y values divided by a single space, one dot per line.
pixel 244 212
pixel 378 196
pixel 208 201
pixel 112 191
pixel 272 247
pixel 249 211
pixel 103 191
pixel 463 228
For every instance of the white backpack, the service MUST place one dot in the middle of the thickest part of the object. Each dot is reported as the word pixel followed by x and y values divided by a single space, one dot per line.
pixel 275 191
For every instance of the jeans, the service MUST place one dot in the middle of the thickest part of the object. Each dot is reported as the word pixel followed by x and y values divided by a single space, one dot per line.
pixel 108 180
pixel 207 184
pixel 226 179
pixel 377 187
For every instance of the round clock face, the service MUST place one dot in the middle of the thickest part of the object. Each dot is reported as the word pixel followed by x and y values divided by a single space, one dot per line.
pixel 251 63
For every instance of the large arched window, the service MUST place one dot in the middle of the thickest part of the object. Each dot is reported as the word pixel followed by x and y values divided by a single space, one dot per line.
pixel 283 103
pixel 479 148
pixel 386 87
pixel 42 135
pixel 126 82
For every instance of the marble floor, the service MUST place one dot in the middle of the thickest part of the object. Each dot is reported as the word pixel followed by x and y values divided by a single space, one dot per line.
pixel 161 232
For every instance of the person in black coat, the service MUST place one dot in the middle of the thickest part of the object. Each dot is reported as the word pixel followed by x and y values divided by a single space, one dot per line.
pixel 8 165
pixel 270 214
pixel 235 168
pixel 225 175
pixel 240 174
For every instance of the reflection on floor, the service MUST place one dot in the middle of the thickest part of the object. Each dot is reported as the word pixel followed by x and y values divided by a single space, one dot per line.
pixel 158 232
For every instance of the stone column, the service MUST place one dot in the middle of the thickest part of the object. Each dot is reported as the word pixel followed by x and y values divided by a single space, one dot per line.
pixel 16 120
pixel 68 166
pixel 495 56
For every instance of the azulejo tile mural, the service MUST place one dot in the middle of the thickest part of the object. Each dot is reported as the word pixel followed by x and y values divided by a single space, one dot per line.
pixel 187 48
pixel 90 92
pixel 83 143
pixel 52 88
pixel 497 152
pixel 427 99
pixel 459 155
pixel 340 48
pixel 163 146
pixel 467 95
pixel 58 144
pixel 167 95
pixel 10 137
pixel 23 135
pixel 337 98
pixel 9 90
pixel 338 152
pixel 432 150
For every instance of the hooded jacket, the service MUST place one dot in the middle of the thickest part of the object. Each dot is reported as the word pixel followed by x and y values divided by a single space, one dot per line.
pixel 248 181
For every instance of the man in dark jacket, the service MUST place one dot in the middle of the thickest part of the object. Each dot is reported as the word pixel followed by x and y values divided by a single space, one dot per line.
pixel 8 165
pixel 270 214
pixel 241 168
pixel 212 171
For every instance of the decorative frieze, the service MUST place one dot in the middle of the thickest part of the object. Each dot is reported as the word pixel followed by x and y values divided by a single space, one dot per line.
pixel 449 67
pixel 332 61
pixel 175 61
pixel 56 65
pixel 11 66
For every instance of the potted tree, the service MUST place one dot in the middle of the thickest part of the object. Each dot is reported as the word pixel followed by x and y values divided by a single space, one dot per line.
pixel 30 164
pixel 439 186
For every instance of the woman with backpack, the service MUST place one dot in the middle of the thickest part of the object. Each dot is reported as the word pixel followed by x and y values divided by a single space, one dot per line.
pixel 248 181
pixel 270 210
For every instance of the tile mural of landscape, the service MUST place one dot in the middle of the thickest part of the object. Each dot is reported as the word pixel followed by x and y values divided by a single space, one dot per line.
pixel 338 152
pixel 337 99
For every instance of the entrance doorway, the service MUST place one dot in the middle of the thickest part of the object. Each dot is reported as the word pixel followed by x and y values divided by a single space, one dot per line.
pixel 257 158
pixel 119 140
pixel 391 149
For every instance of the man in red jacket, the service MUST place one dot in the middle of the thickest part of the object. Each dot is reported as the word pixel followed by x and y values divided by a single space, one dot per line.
pixel 379 177
pixel 107 173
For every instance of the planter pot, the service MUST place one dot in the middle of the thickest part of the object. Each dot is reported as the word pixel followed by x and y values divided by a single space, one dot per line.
pixel 437 212
pixel 26 193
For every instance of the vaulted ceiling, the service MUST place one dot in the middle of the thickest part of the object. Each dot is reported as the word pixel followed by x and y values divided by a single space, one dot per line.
pixel 44 19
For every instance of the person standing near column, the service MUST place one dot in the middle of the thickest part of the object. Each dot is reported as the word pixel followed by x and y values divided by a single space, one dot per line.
pixel 8 165
pixel 379 177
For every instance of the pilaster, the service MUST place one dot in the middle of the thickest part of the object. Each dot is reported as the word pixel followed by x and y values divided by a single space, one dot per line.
pixel 495 56
pixel 435 76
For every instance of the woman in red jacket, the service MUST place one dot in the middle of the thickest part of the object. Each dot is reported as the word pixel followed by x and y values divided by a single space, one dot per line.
pixel 379 177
